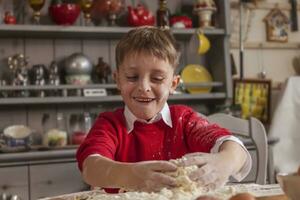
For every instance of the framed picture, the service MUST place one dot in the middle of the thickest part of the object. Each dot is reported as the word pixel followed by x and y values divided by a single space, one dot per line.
pixel 254 97
pixel 277 24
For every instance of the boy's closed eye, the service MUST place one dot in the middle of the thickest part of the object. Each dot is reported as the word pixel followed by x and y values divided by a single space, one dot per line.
pixel 157 79
pixel 132 78
pixel 154 79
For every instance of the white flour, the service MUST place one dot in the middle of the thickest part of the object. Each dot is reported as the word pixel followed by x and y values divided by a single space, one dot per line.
pixel 186 190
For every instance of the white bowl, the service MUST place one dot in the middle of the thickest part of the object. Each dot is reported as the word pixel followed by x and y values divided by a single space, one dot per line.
pixel 17 135
pixel 17 131
pixel 290 184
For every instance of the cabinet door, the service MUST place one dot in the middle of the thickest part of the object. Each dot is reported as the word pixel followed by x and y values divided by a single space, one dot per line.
pixel 14 180
pixel 55 179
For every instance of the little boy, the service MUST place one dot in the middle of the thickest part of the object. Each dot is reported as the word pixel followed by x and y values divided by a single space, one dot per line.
pixel 131 146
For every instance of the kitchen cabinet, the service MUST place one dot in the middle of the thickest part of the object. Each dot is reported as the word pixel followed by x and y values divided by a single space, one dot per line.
pixel 44 43
pixel 37 181
pixel 222 89
pixel 55 179
pixel 36 174
pixel 14 180
pixel 47 42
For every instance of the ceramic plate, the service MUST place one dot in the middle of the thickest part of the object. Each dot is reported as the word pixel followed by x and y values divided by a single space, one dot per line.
pixel 196 74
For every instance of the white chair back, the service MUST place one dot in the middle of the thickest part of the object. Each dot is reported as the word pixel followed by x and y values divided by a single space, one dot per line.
pixel 253 129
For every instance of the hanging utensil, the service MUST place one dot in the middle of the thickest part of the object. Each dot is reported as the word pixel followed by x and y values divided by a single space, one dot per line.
pixel 204 43
pixel 294 15
pixel 263 73
pixel 241 44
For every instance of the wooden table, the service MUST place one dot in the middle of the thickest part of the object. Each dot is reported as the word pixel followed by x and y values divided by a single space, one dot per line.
pixel 276 197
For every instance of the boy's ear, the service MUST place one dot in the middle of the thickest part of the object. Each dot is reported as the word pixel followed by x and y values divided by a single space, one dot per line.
pixel 116 78
pixel 175 82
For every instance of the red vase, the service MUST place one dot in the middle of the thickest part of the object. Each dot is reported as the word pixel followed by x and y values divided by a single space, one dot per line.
pixel 65 13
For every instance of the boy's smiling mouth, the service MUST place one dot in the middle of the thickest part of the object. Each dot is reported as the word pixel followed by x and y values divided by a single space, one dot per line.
pixel 143 100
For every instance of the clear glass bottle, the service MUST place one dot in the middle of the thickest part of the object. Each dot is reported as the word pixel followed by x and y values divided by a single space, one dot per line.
pixel 163 15
pixel 81 126
pixel 87 122
pixel 57 136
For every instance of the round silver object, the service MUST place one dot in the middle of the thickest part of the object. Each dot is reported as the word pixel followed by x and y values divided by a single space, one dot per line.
pixel 15 197
pixel 78 64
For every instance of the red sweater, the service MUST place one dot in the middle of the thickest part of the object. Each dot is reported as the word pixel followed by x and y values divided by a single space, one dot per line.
pixel 157 141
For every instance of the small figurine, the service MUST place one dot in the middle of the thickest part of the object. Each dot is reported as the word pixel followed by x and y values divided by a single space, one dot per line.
pixel 54 78
pixel 38 77
pixel 18 67
pixel 163 15
pixel 205 9
pixel 103 71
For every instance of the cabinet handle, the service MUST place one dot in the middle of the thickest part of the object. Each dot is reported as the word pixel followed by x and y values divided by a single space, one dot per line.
pixel 4 187
pixel 49 182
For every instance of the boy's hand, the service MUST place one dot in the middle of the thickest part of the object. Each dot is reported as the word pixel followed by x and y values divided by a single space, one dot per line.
pixel 150 175
pixel 213 169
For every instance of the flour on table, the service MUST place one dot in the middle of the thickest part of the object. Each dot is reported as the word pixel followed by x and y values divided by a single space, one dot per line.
pixel 223 193
pixel 186 190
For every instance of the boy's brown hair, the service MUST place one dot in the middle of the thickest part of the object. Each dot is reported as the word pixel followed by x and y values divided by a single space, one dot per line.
pixel 148 39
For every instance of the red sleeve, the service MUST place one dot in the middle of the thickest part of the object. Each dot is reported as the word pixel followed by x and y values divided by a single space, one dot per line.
pixel 201 135
pixel 102 139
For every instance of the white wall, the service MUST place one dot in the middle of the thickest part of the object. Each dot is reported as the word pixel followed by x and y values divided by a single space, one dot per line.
pixel 277 62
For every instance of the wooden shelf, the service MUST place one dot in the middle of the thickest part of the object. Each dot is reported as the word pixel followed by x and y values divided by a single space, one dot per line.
pixel 84 32
pixel 94 86
pixel 103 99
pixel 267 45
pixel 58 87
pixel 264 5
pixel 98 99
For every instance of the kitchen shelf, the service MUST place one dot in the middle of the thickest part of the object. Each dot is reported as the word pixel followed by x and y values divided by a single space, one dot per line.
pixel 101 99
pixel 95 86
pixel 97 99
pixel 85 32
pixel 267 45
pixel 58 87
pixel 263 5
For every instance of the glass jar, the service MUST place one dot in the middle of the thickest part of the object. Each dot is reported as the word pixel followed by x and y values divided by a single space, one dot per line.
pixel 57 136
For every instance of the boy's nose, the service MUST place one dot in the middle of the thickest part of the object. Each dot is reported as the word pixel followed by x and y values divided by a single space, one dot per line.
pixel 144 86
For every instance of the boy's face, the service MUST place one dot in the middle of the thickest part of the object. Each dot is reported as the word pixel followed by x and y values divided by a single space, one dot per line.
pixel 145 83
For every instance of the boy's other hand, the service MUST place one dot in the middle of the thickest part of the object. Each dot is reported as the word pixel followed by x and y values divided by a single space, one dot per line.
pixel 213 169
pixel 150 175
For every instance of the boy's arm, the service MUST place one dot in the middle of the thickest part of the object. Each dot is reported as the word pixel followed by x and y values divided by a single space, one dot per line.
pixel 99 171
pixel 234 154
pixel 216 168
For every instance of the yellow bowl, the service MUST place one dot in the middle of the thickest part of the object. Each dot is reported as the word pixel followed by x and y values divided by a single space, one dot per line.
pixel 290 184
pixel 196 74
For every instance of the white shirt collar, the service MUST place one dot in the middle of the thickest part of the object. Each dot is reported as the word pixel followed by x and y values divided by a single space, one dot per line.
pixel 165 114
